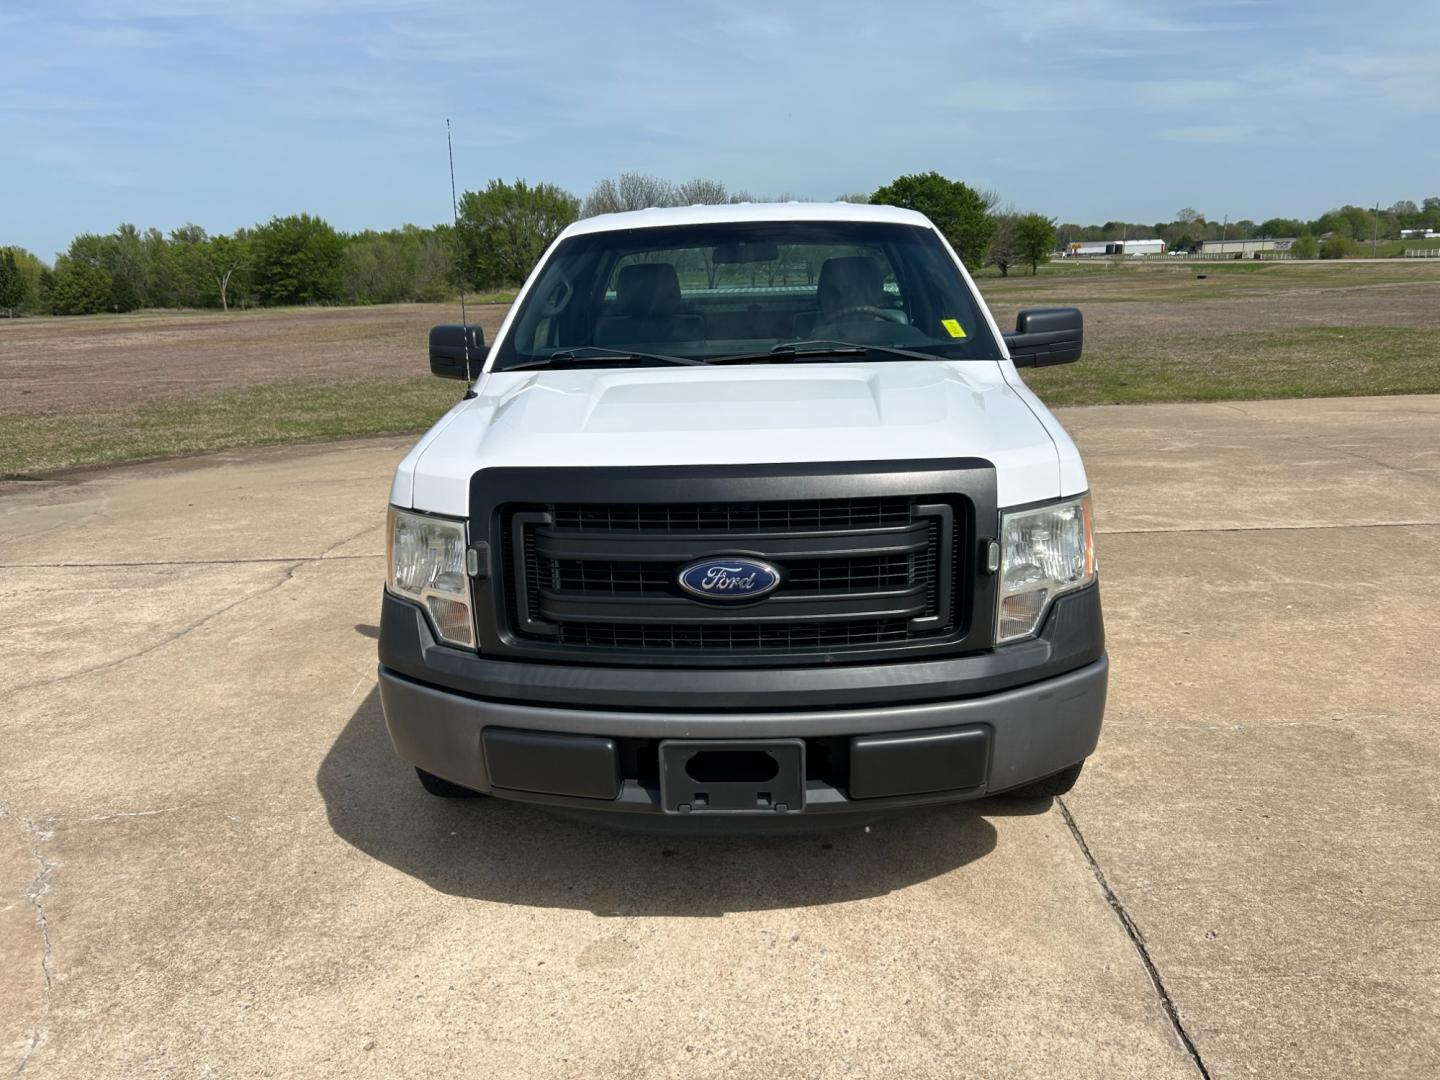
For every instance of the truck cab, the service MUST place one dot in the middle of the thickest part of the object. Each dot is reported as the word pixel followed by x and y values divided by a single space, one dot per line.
pixel 746 514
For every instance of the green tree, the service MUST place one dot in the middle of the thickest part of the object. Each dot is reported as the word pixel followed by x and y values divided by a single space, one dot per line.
pixel 1337 246
pixel 1305 247
pixel 959 211
pixel 14 286
pixel 504 229
pixel 1280 227
pixel 45 290
pixel 186 274
pixel 34 272
pixel 80 288
pixel 1035 239
pixel 297 260
pixel 123 294
pixel 397 266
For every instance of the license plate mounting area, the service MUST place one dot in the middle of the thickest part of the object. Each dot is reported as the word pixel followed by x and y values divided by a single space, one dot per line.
pixel 732 776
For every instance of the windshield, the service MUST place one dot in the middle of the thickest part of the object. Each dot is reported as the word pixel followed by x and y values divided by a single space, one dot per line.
pixel 704 292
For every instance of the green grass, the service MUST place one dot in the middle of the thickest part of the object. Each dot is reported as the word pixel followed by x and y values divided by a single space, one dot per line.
pixel 92 434
pixel 1234 366
pixel 1391 249
pixel 1224 366
pixel 1160 349
pixel 1178 280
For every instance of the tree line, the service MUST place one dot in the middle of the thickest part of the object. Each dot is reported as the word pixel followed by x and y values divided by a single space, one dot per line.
pixel 1334 234
pixel 500 232
pixel 297 259
pixel 502 229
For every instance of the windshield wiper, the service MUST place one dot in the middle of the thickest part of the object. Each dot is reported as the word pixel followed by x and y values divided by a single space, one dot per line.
pixel 567 357
pixel 800 350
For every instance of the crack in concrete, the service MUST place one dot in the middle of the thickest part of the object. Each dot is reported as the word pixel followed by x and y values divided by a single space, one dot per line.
pixel 1271 528
pixel 258 561
pixel 1313 441
pixel 39 887
pixel 342 542
pixel 38 833
pixel 97 818
pixel 169 639
pixel 1137 940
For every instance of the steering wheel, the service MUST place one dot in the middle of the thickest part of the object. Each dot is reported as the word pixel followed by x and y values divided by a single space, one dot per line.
pixel 883 314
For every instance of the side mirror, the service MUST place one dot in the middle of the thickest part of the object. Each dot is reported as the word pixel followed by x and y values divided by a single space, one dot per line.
pixel 1045 336
pixel 448 344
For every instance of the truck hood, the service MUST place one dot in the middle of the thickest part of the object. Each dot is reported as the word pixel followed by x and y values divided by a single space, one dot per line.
pixel 741 415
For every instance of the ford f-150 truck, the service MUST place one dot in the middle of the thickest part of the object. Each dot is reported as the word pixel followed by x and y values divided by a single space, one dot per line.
pixel 746 513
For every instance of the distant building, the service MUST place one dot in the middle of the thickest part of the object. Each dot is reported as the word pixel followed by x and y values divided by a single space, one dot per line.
pixel 1117 247
pixel 1419 234
pixel 1243 249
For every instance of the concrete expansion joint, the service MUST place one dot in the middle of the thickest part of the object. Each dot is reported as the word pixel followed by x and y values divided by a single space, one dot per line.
pixel 289 575
pixel 1137 939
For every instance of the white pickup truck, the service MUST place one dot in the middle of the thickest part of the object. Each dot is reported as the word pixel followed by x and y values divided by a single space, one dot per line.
pixel 746 515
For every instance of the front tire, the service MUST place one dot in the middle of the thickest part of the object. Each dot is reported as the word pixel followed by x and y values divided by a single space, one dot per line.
pixel 1047 787
pixel 442 788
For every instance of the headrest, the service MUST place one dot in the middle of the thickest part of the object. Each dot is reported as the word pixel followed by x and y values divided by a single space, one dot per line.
pixel 850 281
pixel 647 290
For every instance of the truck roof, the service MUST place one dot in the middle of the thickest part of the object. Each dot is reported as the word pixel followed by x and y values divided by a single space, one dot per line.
pixel 658 217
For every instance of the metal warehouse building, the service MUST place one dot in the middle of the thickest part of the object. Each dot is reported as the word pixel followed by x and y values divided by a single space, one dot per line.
pixel 1243 249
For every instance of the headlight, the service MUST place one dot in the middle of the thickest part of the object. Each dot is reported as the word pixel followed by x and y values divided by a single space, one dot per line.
pixel 1043 553
pixel 427 565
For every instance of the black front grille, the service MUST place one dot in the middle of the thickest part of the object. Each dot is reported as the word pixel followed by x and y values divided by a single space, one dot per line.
pixel 842 575
pixel 793 515
pixel 781 638
pixel 862 574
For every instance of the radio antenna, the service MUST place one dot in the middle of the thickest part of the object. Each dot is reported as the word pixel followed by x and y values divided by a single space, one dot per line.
pixel 459 266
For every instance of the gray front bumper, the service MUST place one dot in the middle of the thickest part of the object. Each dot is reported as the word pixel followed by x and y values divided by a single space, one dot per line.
pixel 1035 730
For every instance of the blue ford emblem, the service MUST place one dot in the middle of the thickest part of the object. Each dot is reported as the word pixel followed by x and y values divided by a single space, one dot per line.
pixel 729 578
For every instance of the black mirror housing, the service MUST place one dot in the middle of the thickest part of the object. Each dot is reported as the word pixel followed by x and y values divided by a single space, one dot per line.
pixel 449 343
pixel 1045 336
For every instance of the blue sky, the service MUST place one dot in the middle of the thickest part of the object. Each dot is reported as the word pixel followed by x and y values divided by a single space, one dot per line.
pixel 159 112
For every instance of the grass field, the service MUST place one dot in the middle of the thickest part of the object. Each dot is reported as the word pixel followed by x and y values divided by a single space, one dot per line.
pixel 104 389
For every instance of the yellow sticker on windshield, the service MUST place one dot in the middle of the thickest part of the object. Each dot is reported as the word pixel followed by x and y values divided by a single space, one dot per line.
pixel 953 327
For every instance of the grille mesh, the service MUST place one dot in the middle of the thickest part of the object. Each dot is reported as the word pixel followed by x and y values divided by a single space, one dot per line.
pixel 825 580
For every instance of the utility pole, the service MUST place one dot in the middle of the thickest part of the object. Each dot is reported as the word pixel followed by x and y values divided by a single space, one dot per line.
pixel 1375 233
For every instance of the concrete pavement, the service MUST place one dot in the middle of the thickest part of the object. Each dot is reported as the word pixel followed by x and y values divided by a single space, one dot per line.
pixel 212 864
